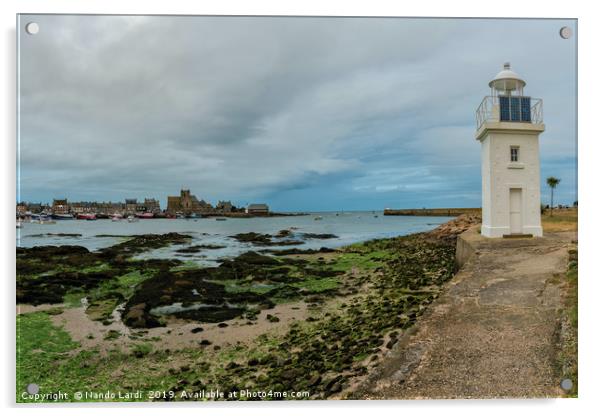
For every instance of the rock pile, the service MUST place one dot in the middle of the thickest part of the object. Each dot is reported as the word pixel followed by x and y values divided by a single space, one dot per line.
pixel 451 229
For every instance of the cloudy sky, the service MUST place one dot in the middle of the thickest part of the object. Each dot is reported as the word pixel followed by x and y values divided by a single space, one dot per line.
pixel 301 113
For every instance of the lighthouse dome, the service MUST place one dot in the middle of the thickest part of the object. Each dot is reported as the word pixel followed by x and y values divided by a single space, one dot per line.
pixel 507 80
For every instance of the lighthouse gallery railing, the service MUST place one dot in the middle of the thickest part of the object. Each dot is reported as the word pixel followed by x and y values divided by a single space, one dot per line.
pixel 509 108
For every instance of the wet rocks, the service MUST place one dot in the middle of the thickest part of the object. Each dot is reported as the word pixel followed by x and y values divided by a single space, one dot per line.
pixel 451 229
pixel 263 239
pixel 140 243
pixel 137 316
pixel 272 318
pixel 189 249
pixel 290 251
pixel 284 233
pixel 325 236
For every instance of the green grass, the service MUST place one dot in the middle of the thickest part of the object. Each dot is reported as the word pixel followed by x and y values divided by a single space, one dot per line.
pixel 41 346
pixel 140 350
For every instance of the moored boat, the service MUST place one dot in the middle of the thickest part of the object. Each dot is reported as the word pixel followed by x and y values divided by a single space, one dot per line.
pixel 145 215
pixel 44 220
pixel 86 216
pixel 62 216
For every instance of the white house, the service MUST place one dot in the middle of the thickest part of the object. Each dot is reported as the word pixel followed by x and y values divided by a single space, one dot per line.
pixel 508 127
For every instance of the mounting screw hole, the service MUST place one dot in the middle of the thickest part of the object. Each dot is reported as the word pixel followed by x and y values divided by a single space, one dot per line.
pixel 566 32
pixel 32 28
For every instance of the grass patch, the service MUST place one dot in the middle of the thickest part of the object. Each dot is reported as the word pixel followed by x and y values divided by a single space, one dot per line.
pixel 141 350
pixel 560 220
pixel 41 346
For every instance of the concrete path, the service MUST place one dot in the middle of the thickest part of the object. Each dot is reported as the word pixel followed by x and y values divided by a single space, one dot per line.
pixel 492 333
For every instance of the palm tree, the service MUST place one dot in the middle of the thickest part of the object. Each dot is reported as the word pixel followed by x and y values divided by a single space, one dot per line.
pixel 552 183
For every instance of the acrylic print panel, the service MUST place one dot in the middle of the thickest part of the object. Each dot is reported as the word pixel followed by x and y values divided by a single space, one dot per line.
pixel 267 208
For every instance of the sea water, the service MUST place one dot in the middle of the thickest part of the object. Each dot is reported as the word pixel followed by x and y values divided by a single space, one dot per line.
pixel 349 227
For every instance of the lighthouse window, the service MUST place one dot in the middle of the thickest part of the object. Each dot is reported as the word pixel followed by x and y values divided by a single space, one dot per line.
pixel 514 108
pixel 514 153
pixel 525 109
pixel 504 108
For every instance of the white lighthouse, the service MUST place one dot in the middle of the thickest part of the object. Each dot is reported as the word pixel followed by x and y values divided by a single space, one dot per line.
pixel 508 127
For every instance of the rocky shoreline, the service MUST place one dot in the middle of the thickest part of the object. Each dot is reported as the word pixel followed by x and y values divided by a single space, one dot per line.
pixel 357 301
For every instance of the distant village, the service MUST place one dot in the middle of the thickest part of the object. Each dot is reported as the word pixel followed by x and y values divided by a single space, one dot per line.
pixel 184 205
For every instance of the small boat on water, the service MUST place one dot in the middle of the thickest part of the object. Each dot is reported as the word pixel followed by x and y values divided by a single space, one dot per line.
pixel 131 218
pixel 145 215
pixel 116 217
pixel 19 224
pixel 86 216
pixel 62 216
pixel 318 218
pixel 220 219
pixel 44 220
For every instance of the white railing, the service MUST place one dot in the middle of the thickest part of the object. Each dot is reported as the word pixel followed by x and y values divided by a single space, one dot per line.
pixel 489 111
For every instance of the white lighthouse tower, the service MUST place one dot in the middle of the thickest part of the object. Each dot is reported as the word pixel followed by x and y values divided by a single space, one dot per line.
pixel 508 127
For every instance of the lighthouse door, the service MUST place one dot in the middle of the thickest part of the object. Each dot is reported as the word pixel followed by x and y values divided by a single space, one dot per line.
pixel 516 217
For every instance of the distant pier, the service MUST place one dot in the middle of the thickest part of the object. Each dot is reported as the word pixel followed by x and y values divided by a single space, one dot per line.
pixel 433 212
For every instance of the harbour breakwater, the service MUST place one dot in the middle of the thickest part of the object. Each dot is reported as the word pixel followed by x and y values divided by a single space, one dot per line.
pixel 434 212
pixel 347 307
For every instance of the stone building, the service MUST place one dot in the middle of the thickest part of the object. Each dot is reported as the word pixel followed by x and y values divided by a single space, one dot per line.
pixel 224 207
pixel 21 208
pixel 151 205
pixel 258 209
pixel 187 203
pixel 60 206
pixel 131 205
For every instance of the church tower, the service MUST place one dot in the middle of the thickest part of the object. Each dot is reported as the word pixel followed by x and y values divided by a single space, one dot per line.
pixel 508 127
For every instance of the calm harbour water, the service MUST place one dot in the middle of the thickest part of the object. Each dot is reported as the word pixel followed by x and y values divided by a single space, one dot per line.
pixel 350 227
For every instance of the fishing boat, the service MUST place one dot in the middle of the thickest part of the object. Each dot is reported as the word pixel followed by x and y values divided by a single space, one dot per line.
pixel 86 216
pixel 62 216
pixel 117 217
pixel 145 215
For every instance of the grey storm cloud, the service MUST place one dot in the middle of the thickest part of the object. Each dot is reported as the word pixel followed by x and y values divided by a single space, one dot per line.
pixel 243 108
